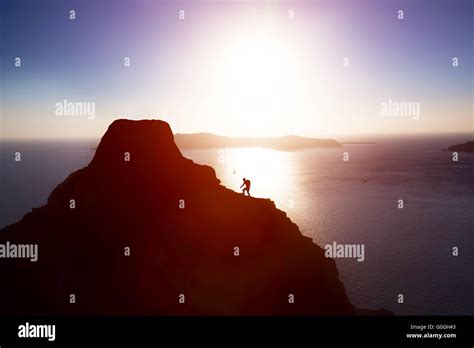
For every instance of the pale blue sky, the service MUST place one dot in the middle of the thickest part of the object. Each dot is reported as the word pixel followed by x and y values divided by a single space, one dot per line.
pixel 179 72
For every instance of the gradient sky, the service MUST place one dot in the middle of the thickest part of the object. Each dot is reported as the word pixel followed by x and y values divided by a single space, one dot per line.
pixel 237 68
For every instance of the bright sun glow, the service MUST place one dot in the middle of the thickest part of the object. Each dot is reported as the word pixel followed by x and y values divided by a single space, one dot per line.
pixel 257 78
pixel 259 75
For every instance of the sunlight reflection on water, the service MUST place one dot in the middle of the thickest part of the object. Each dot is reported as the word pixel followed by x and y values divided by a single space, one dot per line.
pixel 267 169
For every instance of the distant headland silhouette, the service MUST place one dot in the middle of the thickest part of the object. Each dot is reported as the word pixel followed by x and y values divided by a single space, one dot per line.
pixel 468 146
pixel 286 143
pixel 143 230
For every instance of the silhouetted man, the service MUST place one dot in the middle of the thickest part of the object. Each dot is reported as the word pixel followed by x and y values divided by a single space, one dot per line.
pixel 246 183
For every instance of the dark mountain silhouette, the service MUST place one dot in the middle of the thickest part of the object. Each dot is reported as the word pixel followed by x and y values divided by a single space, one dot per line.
pixel 288 143
pixel 173 251
pixel 466 147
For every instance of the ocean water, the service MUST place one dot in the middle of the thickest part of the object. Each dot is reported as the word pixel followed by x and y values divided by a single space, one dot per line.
pixel 407 251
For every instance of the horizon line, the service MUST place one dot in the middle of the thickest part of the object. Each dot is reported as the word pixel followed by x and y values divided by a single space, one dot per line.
pixel 339 137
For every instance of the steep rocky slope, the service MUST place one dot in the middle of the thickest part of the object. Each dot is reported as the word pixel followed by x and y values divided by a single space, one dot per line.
pixel 182 228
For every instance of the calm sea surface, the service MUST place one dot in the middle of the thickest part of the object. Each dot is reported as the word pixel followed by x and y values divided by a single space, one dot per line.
pixel 407 251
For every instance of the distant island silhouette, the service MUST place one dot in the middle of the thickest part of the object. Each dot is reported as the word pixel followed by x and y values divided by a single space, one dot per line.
pixel 288 142
pixel 466 147
pixel 143 230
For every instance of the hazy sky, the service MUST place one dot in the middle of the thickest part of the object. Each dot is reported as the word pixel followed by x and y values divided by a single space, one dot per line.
pixel 253 68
